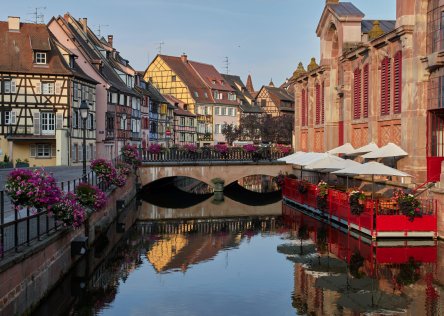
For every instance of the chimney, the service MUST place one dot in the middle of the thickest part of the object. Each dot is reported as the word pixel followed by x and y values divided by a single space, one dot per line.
pixel 110 40
pixel 14 23
pixel 84 22
pixel 184 58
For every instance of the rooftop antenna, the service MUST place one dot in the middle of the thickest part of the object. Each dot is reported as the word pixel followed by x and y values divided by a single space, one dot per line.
pixel 227 65
pixel 159 48
pixel 38 16
pixel 99 29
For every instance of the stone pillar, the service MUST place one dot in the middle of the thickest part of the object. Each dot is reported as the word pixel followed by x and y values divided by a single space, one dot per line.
pixel 218 185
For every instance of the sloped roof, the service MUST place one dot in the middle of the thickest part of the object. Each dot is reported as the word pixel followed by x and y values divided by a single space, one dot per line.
pixel 343 9
pixel 242 94
pixel 386 25
pixel 189 78
pixel 279 94
pixel 17 54
pixel 210 76
pixel 108 72
pixel 154 94
pixel 178 106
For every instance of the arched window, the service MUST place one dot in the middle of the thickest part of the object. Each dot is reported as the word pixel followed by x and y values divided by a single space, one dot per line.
pixel 323 103
pixel 357 94
pixel 435 26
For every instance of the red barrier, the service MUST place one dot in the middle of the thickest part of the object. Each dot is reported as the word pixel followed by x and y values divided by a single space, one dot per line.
pixel 403 254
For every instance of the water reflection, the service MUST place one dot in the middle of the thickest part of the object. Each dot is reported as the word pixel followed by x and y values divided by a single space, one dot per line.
pixel 349 274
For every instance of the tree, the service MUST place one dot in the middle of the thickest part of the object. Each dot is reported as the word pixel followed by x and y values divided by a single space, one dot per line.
pixel 249 127
pixel 231 132
pixel 278 129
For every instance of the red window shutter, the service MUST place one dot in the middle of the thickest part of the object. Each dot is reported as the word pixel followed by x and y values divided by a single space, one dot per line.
pixel 385 86
pixel 303 109
pixel 323 104
pixel 318 104
pixel 397 80
pixel 365 92
pixel 357 94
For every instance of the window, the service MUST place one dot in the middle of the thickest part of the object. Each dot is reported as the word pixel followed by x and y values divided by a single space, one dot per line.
pixel 216 110
pixel 206 95
pixel 385 86
pixel 222 82
pixel 231 96
pixel 75 88
pixel 122 99
pixel 234 112
pixel 263 103
pixel 365 91
pixel 181 137
pixel 217 95
pixel 41 151
pixel 357 94
pixel 230 112
pixel 40 58
pixel 47 87
pixel 217 129
pixel 48 123
pixel 90 122
pixel 318 104
pixel 223 111
pixel 196 94
pixel 397 81
pixel 173 78
pixel 303 109
pixel 213 82
pixel 322 104
pixel 75 119
pixel 74 153
pixel 435 27
pixel 9 117
pixel 182 121
pixel 9 86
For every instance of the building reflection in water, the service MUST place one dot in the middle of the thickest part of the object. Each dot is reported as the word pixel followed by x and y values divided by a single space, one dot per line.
pixel 259 183
pixel 382 277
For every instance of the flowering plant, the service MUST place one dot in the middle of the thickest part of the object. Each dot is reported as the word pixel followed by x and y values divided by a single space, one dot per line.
pixel 119 179
pixel 32 188
pixel 90 196
pixel 131 154
pixel 283 149
pixel 322 189
pixel 221 148
pixel 250 148
pixel 69 211
pixel 356 199
pixel 279 180
pixel 123 168
pixel 190 148
pixel 155 149
pixel 408 204
pixel 104 170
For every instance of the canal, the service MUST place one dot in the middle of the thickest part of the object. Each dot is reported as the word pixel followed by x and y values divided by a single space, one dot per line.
pixel 247 254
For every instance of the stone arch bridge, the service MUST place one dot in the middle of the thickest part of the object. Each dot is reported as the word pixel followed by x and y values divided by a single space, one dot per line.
pixel 210 173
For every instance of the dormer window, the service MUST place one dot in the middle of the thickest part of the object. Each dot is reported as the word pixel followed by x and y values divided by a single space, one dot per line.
pixel 214 81
pixel 222 82
pixel 40 58
pixel 196 94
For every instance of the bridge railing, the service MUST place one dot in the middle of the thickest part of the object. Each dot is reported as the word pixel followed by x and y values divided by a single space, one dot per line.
pixel 210 154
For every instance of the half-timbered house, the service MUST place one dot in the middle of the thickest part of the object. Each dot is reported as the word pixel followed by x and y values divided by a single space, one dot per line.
pixel 275 101
pixel 185 123
pixel 41 85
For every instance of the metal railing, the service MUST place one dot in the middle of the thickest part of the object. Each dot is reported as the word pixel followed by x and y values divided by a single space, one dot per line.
pixel 210 154
pixel 24 226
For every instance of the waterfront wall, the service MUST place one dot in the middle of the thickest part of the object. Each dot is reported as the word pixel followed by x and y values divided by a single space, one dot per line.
pixel 26 277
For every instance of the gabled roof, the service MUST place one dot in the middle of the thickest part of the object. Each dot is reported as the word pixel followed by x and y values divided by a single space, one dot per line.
pixel 279 95
pixel 94 55
pixel 242 94
pixel 386 25
pixel 210 76
pixel 189 77
pixel 178 106
pixel 17 53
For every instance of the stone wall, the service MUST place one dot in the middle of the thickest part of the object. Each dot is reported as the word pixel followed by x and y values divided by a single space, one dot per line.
pixel 28 276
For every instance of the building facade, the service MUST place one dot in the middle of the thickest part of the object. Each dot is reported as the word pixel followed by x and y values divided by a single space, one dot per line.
pixel 377 81
pixel 41 86
pixel 275 101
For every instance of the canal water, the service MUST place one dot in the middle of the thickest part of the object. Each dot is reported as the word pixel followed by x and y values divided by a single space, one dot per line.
pixel 236 257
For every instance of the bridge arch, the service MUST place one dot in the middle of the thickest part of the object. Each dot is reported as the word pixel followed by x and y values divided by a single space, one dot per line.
pixel 205 173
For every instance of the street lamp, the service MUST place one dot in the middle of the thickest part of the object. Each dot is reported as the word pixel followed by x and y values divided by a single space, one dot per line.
pixel 84 112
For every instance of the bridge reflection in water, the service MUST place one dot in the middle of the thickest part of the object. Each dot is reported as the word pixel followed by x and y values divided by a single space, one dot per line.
pixel 339 271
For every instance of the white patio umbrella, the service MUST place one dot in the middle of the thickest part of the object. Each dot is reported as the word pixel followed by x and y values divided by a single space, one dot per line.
pixel 364 149
pixel 389 150
pixel 308 158
pixel 347 148
pixel 332 163
pixel 373 169
pixel 289 158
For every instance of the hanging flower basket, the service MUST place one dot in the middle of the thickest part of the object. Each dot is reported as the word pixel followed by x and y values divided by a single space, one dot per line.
pixel 69 211
pixel 408 204
pixel 90 197
pixel 131 154
pixel 357 201
pixel 104 170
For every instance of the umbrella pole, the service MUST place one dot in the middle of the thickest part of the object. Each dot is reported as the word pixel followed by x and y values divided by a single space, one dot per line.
pixel 346 184
pixel 373 186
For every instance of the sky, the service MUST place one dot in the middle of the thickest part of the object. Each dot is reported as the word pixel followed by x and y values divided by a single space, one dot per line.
pixel 264 38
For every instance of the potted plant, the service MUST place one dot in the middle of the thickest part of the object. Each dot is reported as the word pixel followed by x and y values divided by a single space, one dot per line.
pixel 21 163
pixel 408 204
pixel 69 211
pixel 131 154
pixel 222 149
pixel 90 197
pixel 321 195
pixel 6 163
pixel 104 170
pixel 356 199
pixel 303 186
